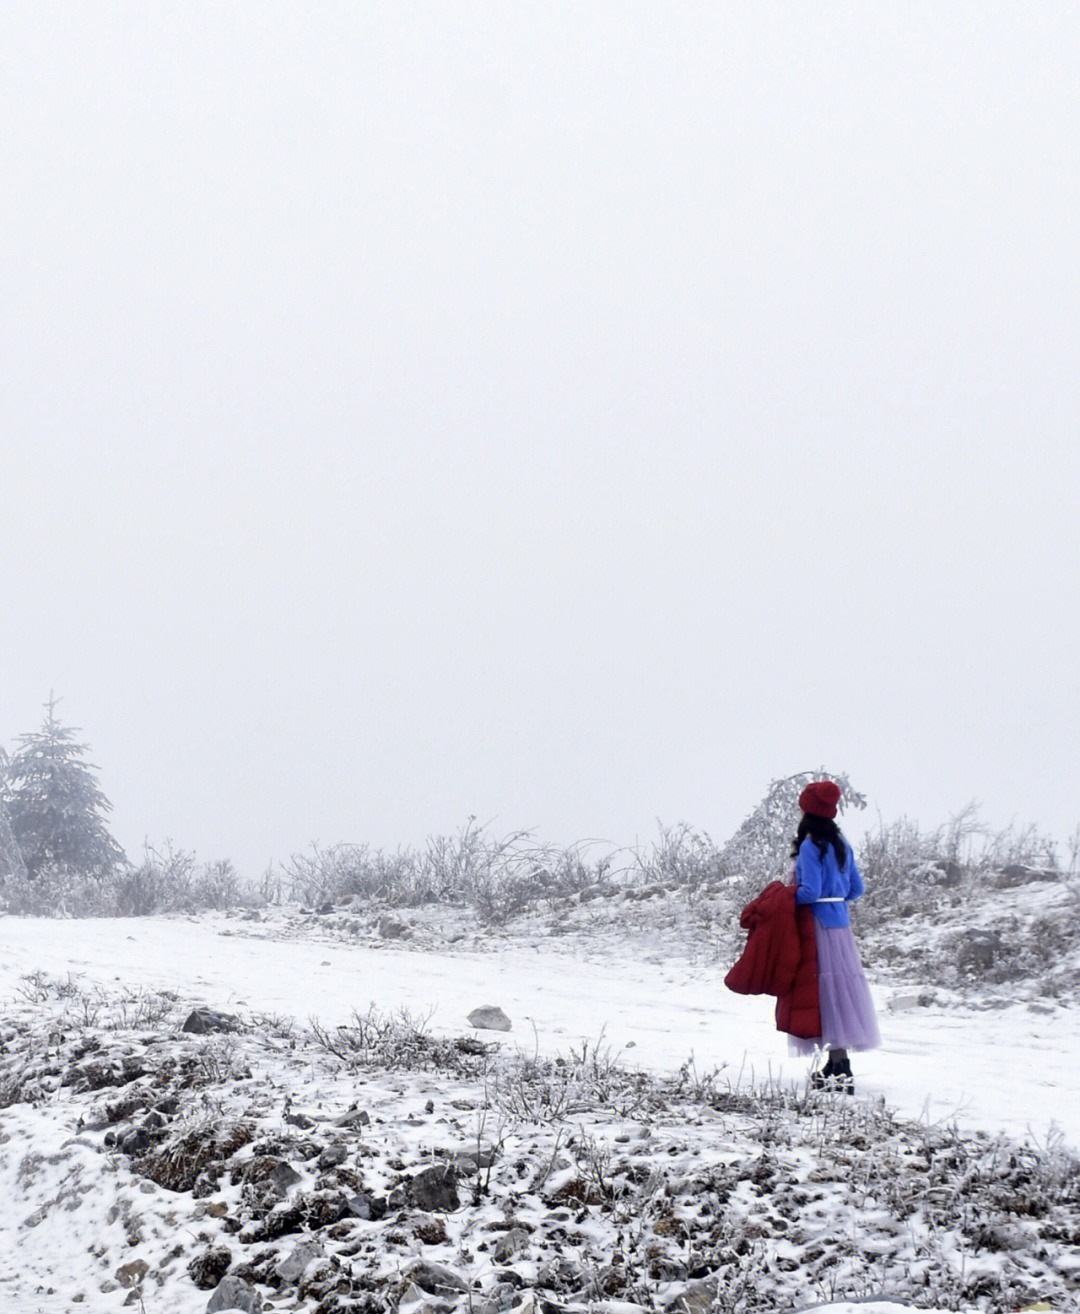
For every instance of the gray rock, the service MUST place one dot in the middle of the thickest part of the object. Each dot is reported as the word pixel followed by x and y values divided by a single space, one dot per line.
pixel 412 1298
pixel 205 1184
pixel 208 1268
pixel 490 1018
pixel 468 1161
pixel 488 1306
pixel 291 1267
pixel 135 1141
pixel 201 1021
pixel 434 1189
pixel 1017 874
pixel 906 1000
pixel 951 875
pixel 507 1295
pixel 270 1173
pixel 591 892
pixel 320 1208
pixel 234 1293
pixel 435 1279
pixel 510 1243
pixel 698 1296
pixel 561 1272
pixel 390 928
pixel 354 1118
pixel 978 949
pixel 1003 1235
pixel 131 1275
pixel 332 1156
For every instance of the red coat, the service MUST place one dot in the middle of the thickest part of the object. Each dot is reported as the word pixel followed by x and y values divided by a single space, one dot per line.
pixel 771 958
pixel 780 958
pixel 797 1011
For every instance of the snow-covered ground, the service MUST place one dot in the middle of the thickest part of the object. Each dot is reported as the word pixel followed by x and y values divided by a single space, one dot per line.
pixel 1005 1068
pixel 73 1216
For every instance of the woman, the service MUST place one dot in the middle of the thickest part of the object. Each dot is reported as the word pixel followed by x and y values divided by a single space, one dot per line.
pixel 826 878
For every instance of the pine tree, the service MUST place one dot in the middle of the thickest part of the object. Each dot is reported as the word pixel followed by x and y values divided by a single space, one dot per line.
pixel 11 863
pixel 54 805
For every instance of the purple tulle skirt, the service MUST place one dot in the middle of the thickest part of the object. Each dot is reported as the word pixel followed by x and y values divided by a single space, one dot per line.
pixel 848 1020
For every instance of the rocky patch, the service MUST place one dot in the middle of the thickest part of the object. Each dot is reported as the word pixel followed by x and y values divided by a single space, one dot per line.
pixel 283 1174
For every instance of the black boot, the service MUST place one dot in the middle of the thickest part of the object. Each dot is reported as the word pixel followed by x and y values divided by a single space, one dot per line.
pixel 819 1080
pixel 835 1075
pixel 842 1079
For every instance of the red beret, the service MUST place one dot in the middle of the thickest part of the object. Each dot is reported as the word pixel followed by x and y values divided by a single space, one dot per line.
pixel 820 799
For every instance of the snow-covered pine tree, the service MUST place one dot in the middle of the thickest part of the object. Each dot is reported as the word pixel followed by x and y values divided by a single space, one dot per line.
pixel 54 805
pixel 11 863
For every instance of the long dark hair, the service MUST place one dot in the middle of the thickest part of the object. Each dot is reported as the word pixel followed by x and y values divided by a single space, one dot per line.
pixel 823 832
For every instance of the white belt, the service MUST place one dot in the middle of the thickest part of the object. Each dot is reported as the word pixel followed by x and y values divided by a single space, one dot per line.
pixel 833 900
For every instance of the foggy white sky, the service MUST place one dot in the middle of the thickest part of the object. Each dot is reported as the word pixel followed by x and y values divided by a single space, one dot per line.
pixel 568 414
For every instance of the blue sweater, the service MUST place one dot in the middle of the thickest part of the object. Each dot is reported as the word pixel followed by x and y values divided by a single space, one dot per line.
pixel 821 878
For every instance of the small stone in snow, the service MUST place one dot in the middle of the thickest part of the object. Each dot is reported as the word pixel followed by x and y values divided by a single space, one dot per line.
pixel 234 1293
pixel 434 1189
pixel 411 1298
pixel 200 1021
pixel 510 1243
pixel 436 1279
pixel 489 1017
pixel 354 1118
pixel 291 1268
pixel 130 1275
pixel 359 1205
pixel 332 1156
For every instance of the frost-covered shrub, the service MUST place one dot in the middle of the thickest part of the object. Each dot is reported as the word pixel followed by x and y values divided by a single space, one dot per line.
pixel 945 894
pixel 1026 949
pixel 567 874
pixel 173 880
pixel 140 891
pixel 473 867
pixel 912 872
pixel 218 886
pixel 169 881
pixel 500 878
pixel 163 882
pixel 760 849
pixel 924 871
pixel 56 892
pixel 683 859
pixel 353 871
pixel 398 1040
pixel 507 877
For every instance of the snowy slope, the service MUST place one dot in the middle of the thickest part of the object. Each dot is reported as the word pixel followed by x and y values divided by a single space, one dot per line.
pixel 1008 1069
